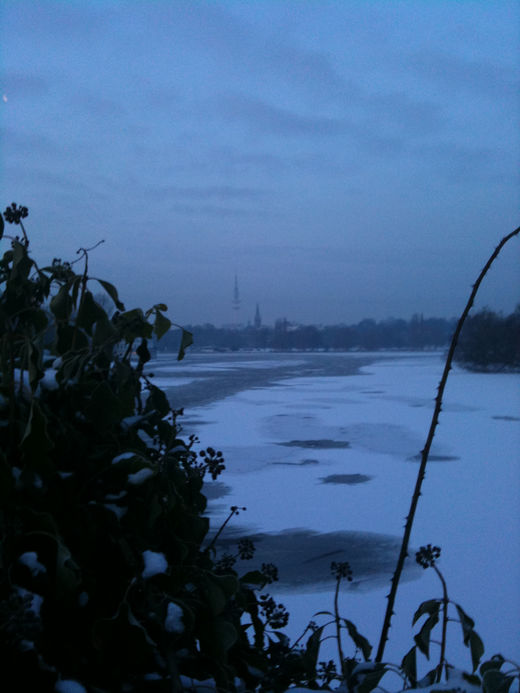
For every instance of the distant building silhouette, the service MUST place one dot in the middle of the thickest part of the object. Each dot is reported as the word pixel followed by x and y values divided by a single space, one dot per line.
pixel 257 322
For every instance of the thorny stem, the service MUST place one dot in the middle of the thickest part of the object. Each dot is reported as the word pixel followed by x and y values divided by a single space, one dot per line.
pixel 445 602
pixel 426 450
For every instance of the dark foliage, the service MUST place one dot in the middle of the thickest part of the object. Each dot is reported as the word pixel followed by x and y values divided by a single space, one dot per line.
pixel 107 575
pixel 490 341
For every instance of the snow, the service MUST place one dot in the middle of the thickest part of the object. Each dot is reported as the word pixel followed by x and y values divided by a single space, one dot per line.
pixel 30 559
pixel 123 456
pixel 118 511
pixel 471 495
pixel 36 600
pixel 49 382
pixel 69 686
pixel 173 622
pixel 139 477
pixel 154 563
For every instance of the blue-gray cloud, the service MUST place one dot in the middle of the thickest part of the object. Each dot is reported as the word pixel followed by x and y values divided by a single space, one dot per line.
pixel 457 73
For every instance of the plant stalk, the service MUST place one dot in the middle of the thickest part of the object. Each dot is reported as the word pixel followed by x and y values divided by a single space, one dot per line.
pixel 403 553
pixel 445 602
pixel 338 628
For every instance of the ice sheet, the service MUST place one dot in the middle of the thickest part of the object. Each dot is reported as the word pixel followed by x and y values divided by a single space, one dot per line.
pixel 279 443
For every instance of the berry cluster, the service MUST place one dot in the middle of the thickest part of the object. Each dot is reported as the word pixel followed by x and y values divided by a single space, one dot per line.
pixel 15 213
pixel 214 461
pixel 427 555
pixel 341 570
pixel 275 614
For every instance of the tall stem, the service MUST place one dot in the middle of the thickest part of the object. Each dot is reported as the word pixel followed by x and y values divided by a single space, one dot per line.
pixel 403 553
pixel 338 627
pixel 445 602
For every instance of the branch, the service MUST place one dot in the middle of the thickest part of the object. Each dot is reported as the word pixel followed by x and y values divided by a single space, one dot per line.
pixel 426 450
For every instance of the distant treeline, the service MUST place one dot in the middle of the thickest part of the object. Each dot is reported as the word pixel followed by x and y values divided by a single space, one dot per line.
pixel 489 340
pixel 417 333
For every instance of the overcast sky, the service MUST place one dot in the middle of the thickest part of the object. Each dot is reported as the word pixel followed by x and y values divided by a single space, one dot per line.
pixel 344 159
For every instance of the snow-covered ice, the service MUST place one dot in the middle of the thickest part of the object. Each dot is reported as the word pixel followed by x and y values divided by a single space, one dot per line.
pixel 283 440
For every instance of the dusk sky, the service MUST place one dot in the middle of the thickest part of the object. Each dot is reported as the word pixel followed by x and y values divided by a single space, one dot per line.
pixel 344 159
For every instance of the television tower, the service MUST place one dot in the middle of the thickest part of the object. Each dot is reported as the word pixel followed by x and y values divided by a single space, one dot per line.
pixel 236 301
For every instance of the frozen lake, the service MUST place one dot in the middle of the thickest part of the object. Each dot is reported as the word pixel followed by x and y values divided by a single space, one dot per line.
pixel 322 450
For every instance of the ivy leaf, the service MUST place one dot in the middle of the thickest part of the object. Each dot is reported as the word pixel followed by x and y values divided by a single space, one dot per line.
pixel 409 665
pixel 359 640
pixel 422 638
pixel 61 303
pixel 253 577
pixel 2 225
pixel 215 596
pixel 36 443
pixel 427 679
pixel 186 341
pixel 112 292
pixel 35 371
pixel 157 401
pixel 312 650
pixel 90 312
pixel 218 637
pixel 370 678
pixel 467 624
pixel 476 647
pixel 429 607
pixel 161 324
pixel 495 662
pixel 495 681
pixel 143 352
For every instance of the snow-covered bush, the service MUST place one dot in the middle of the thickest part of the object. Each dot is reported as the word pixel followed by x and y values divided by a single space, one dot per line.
pixel 108 578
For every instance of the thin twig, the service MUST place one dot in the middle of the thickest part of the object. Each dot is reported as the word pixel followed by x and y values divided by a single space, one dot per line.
pixel 426 450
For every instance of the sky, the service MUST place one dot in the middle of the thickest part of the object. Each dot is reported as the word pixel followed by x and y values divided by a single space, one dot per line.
pixel 345 160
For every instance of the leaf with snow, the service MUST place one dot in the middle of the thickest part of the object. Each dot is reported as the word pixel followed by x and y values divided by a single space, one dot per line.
pixel 30 559
pixel 140 476
pixel 69 686
pixel 173 622
pixel 154 563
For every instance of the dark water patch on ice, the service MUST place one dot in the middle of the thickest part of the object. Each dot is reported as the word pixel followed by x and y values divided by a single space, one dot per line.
pixel 345 479
pixel 435 458
pixel 215 489
pixel 302 463
pixel 235 372
pixel 189 421
pixel 373 392
pixel 322 444
pixel 303 557
pixel 506 418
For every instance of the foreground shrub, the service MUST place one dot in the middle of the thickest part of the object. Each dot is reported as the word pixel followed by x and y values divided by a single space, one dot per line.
pixel 107 573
